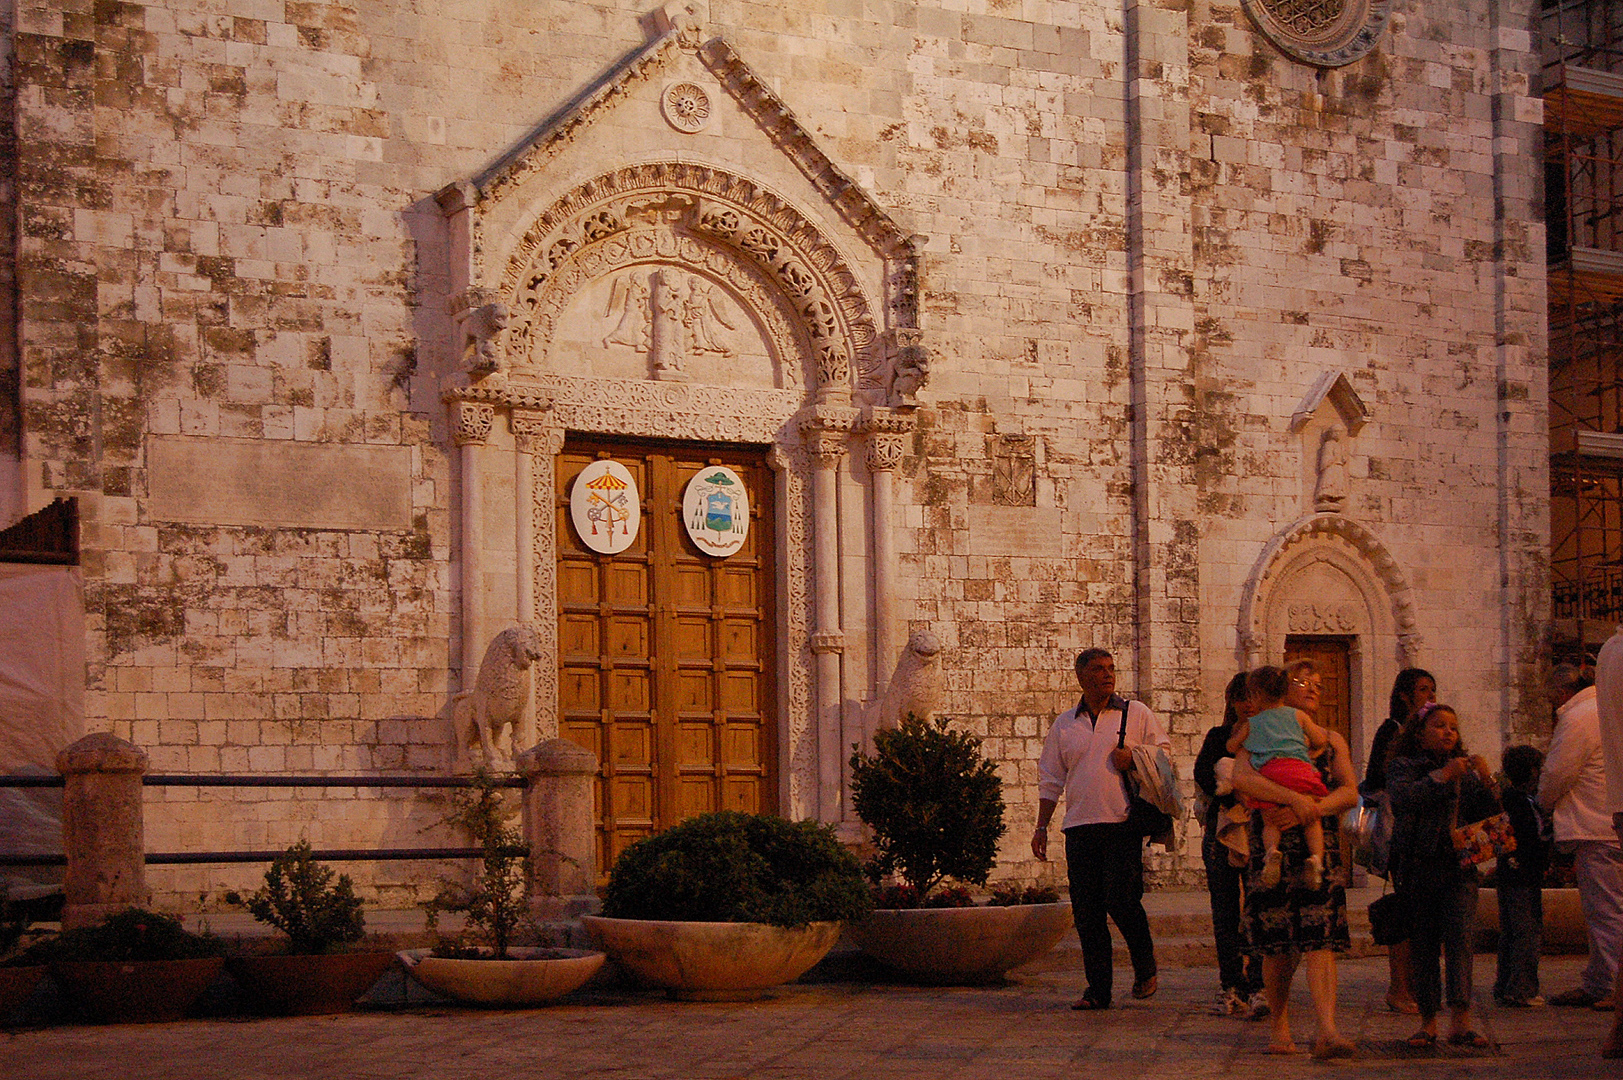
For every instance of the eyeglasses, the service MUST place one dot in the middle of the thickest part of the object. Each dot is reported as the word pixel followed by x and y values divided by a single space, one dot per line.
pixel 1307 684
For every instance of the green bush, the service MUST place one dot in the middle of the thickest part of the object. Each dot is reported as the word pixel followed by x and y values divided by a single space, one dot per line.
pixel 733 867
pixel 132 934
pixel 935 805
pixel 301 899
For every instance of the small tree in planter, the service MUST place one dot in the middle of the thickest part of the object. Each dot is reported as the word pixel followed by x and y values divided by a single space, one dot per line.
pixel 319 912
pixel 726 905
pixel 934 804
pixel 490 970
pixel 495 903
pixel 935 807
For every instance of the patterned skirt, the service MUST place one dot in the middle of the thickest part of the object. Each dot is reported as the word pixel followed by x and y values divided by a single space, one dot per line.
pixel 1290 917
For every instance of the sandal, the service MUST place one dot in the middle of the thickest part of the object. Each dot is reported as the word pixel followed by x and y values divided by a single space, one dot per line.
pixel 1470 1038
pixel 1421 1040
pixel 1089 1003
pixel 1145 988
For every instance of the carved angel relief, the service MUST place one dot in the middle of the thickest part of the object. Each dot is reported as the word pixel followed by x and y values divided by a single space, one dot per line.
pixel 668 316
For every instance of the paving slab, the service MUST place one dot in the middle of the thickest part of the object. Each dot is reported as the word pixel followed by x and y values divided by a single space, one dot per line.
pixel 861 1030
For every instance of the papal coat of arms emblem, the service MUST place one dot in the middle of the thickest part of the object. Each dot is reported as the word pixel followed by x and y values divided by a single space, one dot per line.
pixel 716 510
pixel 605 507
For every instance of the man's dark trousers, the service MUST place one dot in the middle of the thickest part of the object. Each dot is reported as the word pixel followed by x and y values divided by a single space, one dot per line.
pixel 1106 866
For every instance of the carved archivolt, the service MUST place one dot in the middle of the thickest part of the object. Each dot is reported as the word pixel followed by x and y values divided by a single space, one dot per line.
pixel 1347 543
pixel 728 228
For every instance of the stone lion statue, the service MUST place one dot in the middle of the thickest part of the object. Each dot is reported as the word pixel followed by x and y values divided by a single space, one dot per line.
pixel 916 686
pixel 499 698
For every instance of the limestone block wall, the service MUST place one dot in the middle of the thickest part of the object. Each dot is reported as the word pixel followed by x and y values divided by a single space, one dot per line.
pixel 1148 233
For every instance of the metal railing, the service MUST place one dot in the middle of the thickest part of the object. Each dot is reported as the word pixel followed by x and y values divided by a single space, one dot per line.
pixel 189 858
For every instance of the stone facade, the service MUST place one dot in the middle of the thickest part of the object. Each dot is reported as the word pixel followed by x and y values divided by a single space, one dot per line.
pixel 1066 324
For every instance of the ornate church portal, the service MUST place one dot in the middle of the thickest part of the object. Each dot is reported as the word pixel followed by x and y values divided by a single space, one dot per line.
pixel 753 313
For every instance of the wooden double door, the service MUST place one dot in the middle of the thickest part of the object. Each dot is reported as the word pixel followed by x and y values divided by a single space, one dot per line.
pixel 666 654
pixel 1332 657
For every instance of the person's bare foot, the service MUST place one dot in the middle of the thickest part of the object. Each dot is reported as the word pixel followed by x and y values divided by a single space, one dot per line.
pixel 1286 1047
pixel 1406 1005
pixel 1331 1047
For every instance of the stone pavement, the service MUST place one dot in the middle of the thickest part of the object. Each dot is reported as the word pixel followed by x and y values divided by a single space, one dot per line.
pixel 866 1030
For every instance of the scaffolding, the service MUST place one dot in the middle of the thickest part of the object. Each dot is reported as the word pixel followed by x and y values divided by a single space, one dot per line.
pixel 1582 53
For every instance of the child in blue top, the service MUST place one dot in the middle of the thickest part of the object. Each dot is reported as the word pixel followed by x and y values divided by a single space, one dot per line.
pixel 1282 742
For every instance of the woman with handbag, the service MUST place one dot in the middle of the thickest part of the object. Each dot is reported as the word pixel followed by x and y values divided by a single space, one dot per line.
pixel 1436 787
pixel 1292 923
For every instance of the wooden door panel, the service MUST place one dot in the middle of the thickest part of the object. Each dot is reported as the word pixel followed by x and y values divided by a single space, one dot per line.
pixel 666 653
pixel 1332 657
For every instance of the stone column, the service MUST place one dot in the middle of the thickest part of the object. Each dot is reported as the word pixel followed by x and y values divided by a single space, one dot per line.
pixel 825 433
pixel 470 426
pixel 885 431
pixel 558 826
pixel 102 829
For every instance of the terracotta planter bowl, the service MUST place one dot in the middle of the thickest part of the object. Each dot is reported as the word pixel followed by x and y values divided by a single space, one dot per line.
pixel 17 985
pixel 135 991
pixel 712 961
pixel 289 985
pixel 527 977
pixel 1564 928
pixel 961 946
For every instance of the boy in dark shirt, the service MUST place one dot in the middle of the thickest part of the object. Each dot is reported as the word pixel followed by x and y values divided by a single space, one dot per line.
pixel 1520 878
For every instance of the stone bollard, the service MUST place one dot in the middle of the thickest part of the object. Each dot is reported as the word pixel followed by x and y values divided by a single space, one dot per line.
pixel 558 826
pixel 102 829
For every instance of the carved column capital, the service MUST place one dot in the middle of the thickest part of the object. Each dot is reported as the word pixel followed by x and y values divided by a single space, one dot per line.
pixel 471 422
pixel 825 431
pixel 536 432
pixel 886 431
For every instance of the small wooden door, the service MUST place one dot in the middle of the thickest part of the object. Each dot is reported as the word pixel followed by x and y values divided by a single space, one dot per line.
pixel 666 654
pixel 1332 657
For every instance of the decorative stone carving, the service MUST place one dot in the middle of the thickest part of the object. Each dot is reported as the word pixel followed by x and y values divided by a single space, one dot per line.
pixel 498 699
pixel 1314 618
pixel 685 106
pixel 484 327
pixel 828 641
pixel 1325 33
pixel 471 422
pixel 915 687
pixel 1330 489
pixel 885 452
pixel 910 369
pixel 1014 470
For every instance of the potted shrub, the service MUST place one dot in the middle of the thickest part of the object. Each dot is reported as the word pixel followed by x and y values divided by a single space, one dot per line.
pixel 726 905
pixel 319 912
pixel 134 967
pixel 935 807
pixel 481 965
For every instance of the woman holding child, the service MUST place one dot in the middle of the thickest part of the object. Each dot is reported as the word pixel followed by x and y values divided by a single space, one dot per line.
pixel 1435 786
pixel 1302 916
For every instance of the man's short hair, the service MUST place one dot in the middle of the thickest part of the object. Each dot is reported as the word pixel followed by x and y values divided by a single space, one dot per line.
pixel 1566 680
pixel 1088 656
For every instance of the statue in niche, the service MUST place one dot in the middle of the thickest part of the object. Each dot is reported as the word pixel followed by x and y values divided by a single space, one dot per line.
pixel 629 296
pixel 1330 490
pixel 484 326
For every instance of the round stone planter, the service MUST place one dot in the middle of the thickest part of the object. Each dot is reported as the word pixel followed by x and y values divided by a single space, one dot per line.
pixel 288 985
pixel 135 991
pixel 712 961
pixel 526 977
pixel 961 946
pixel 1564 928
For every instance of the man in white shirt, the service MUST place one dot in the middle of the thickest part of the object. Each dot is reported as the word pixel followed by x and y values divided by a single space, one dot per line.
pixel 1085 757
pixel 1609 712
pixel 1573 791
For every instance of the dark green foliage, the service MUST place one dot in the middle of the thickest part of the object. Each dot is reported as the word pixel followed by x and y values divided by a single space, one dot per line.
pixel 935 805
pixel 949 896
pixel 1014 895
pixel 495 904
pixel 301 900
pixel 132 934
pixel 732 867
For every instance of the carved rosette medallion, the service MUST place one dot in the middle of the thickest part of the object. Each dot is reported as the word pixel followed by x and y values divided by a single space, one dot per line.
pixel 685 106
pixel 1325 33
pixel 471 422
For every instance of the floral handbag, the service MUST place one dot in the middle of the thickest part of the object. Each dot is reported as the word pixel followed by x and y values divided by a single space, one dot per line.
pixel 1483 840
